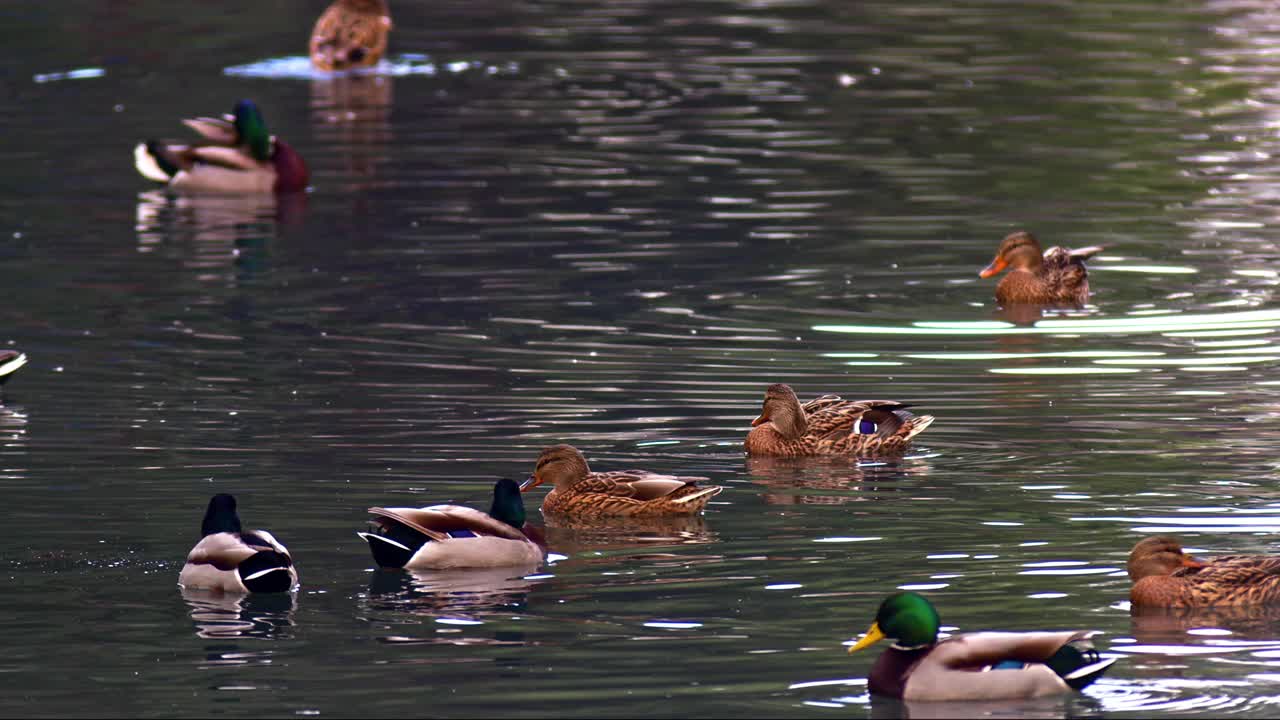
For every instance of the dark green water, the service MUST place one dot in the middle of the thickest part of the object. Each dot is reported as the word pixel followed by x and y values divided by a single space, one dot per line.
pixel 613 225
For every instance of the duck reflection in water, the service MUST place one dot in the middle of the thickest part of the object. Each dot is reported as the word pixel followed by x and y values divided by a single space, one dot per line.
pixel 461 596
pixel 211 233
pixel 457 590
pixel 351 115
pixel 573 535
pixel 228 615
pixel 786 478
pixel 1174 626
pixel 1061 706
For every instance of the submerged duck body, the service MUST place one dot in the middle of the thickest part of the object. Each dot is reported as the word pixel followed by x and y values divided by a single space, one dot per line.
pixel 830 425
pixel 229 559
pixel 973 666
pixel 1165 576
pixel 441 537
pixel 350 34
pixel 237 155
pixel 1056 276
pixel 579 492
pixel 10 361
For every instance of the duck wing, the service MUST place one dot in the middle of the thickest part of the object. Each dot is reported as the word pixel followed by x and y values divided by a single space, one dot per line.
pixel 1064 271
pixel 835 420
pixel 994 666
pixel 1084 253
pixel 1241 578
pixel 636 484
pixel 222 156
pixel 216 130
pixel 224 551
pixel 974 651
pixel 161 161
pixel 442 522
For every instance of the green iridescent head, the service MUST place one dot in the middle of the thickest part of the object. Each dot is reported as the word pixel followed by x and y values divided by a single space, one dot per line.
pixel 252 129
pixel 906 618
pixel 508 503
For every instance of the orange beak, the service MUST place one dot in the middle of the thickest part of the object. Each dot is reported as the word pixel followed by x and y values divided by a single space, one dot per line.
pixel 1190 562
pixel 764 418
pixel 994 268
pixel 530 483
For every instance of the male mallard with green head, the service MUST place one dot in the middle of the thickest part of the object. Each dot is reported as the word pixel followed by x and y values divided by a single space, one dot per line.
pixel 238 155
pixel 1055 277
pixel 973 666
pixel 579 492
pixel 440 537
pixel 230 559
pixel 831 426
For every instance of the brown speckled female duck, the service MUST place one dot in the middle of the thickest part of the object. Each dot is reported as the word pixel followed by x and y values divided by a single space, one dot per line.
pixel 831 426
pixel 1165 576
pixel 582 493
pixel 1056 276
pixel 350 34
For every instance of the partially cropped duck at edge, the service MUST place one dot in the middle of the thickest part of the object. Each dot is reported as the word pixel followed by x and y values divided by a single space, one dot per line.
pixel 1165 576
pixel 440 537
pixel 581 493
pixel 238 155
pixel 1055 277
pixel 831 426
pixel 10 361
pixel 972 666
pixel 230 559
pixel 350 34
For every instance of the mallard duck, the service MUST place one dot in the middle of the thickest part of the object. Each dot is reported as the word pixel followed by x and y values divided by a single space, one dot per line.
pixel 440 537
pixel 10 361
pixel 350 34
pixel 1165 576
pixel 582 493
pixel 831 426
pixel 238 155
pixel 1056 276
pixel 233 560
pixel 973 666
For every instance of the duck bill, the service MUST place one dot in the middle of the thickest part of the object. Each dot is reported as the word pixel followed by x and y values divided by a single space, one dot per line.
pixel 760 420
pixel 530 483
pixel 872 637
pixel 995 268
pixel 1191 562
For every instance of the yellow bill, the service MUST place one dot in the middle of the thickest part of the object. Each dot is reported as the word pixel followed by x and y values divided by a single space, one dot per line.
pixel 872 637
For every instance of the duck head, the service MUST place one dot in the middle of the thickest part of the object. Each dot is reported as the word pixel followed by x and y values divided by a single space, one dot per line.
pixel 561 465
pixel 1159 555
pixel 508 504
pixel 906 618
pixel 1020 250
pixel 782 408
pixel 221 516
pixel 252 129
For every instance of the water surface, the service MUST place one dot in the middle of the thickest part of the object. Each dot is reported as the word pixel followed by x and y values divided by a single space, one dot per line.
pixel 614 225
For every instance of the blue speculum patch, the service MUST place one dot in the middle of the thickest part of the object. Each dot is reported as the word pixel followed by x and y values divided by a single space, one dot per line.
pixel 461 534
pixel 866 427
